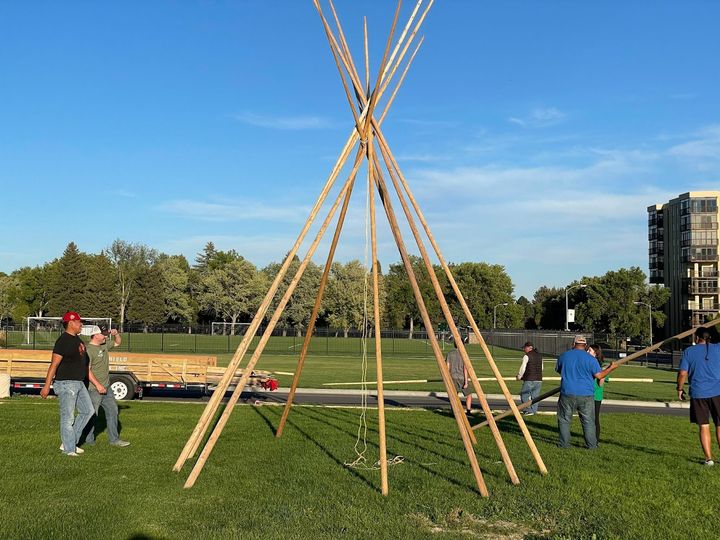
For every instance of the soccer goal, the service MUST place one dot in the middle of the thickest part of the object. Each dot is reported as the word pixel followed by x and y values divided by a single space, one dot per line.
pixel 222 328
pixel 46 329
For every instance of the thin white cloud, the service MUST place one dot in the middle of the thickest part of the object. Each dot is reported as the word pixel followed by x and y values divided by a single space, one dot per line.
pixel 289 123
pixel 704 144
pixel 424 158
pixel 233 210
pixel 539 117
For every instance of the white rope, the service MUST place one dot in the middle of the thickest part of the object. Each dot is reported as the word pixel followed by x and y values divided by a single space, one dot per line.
pixel 361 440
pixel 360 448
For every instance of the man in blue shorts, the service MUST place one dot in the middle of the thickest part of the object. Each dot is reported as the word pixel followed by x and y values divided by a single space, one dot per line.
pixel 578 370
pixel 700 365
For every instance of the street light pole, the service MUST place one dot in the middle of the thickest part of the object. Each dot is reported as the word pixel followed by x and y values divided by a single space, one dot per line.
pixel 495 314
pixel 495 324
pixel 570 287
pixel 649 316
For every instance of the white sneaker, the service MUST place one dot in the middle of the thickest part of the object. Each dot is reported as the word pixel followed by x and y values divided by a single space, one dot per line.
pixel 709 463
pixel 77 451
pixel 72 454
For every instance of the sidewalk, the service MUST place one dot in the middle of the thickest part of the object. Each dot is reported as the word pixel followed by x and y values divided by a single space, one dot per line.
pixel 490 397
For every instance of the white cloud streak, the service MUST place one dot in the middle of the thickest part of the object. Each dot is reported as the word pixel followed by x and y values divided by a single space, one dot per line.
pixel 288 123
pixel 233 210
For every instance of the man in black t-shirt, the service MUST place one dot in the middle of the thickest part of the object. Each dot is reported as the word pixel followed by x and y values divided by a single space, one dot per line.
pixel 67 374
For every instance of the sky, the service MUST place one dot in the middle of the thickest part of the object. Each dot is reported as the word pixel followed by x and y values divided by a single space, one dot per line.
pixel 533 134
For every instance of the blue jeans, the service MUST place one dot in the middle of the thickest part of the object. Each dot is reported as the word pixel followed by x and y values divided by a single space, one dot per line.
pixel 585 407
pixel 530 390
pixel 72 395
pixel 109 405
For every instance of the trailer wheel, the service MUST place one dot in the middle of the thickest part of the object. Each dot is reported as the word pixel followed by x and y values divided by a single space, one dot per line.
pixel 123 388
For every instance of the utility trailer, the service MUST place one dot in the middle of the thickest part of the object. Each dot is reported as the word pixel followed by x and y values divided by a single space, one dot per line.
pixel 133 374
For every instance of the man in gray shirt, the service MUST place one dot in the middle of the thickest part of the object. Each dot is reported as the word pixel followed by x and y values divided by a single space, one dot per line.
pixel 98 351
pixel 459 375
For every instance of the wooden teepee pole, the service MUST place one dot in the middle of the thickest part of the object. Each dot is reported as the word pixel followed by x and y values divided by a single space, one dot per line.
pixel 339 58
pixel 466 310
pixel 316 309
pixel 382 441
pixel 451 324
pixel 338 53
pixel 455 404
pixel 211 408
pixel 247 371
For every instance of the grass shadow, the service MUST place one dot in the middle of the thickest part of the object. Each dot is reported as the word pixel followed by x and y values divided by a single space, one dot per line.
pixel 317 444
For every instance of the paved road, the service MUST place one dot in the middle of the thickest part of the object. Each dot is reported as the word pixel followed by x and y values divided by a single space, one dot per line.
pixel 416 400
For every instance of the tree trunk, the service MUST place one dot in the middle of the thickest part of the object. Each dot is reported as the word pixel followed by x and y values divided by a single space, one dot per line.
pixel 345 333
pixel 412 325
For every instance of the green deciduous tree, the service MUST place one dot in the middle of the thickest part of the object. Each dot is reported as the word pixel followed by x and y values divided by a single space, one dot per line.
pixel 484 286
pixel 348 295
pixel 176 283
pixel 549 308
pixel 129 261
pixel 610 303
pixel 233 290
pixel 8 296
pixel 298 310
pixel 33 290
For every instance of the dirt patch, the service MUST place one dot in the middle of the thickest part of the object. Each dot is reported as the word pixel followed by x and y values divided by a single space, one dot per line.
pixel 457 521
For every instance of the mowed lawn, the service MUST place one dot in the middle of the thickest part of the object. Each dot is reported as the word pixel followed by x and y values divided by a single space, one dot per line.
pixel 322 369
pixel 645 480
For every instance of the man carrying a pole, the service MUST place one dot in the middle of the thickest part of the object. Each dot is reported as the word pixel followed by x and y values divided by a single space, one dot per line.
pixel 700 365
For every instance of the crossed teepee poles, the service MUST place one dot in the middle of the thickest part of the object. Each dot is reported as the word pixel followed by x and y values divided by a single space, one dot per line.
pixel 368 137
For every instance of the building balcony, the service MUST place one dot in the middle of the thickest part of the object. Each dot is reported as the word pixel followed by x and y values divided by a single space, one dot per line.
pixel 696 257
pixel 702 274
pixel 704 307
pixel 694 288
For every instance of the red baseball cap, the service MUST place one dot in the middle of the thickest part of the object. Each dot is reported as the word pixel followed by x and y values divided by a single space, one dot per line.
pixel 71 316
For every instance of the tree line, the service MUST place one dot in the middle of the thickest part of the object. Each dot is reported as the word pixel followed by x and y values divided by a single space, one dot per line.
pixel 133 283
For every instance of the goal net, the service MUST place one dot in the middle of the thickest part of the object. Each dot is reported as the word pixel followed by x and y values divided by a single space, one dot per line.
pixel 47 329
pixel 221 328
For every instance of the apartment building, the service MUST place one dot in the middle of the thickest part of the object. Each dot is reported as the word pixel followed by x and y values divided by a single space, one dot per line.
pixel 683 255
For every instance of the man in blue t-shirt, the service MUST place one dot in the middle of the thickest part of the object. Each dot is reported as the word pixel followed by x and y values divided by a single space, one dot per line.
pixel 578 371
pixel 700 365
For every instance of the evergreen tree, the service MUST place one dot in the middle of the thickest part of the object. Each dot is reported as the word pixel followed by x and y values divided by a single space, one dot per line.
pixel 69 283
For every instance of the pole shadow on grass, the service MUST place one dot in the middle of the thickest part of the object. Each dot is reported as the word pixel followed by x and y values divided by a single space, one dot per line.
pixel 510 426
pixel 323 449
pixel 311 414
pixel 391 435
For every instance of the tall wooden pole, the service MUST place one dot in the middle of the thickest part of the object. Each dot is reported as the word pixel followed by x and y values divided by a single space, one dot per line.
pixel 207 450
pixel 339 53
pixel 460 418
pixel 451 324
pixel 382 441
pixel 212 406
pixel 316 308
pixel 466 310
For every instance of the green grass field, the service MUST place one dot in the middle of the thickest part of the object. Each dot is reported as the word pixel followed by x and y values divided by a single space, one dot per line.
pixel 323 369
pixel 645 480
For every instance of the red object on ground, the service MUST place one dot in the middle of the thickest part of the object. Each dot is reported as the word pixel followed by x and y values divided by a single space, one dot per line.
pixel 270 384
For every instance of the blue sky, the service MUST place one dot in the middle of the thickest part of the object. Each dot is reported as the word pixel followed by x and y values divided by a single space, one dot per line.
pixel 534 134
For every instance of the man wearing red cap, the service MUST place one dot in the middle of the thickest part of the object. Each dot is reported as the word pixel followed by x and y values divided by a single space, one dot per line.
pixel 67 374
